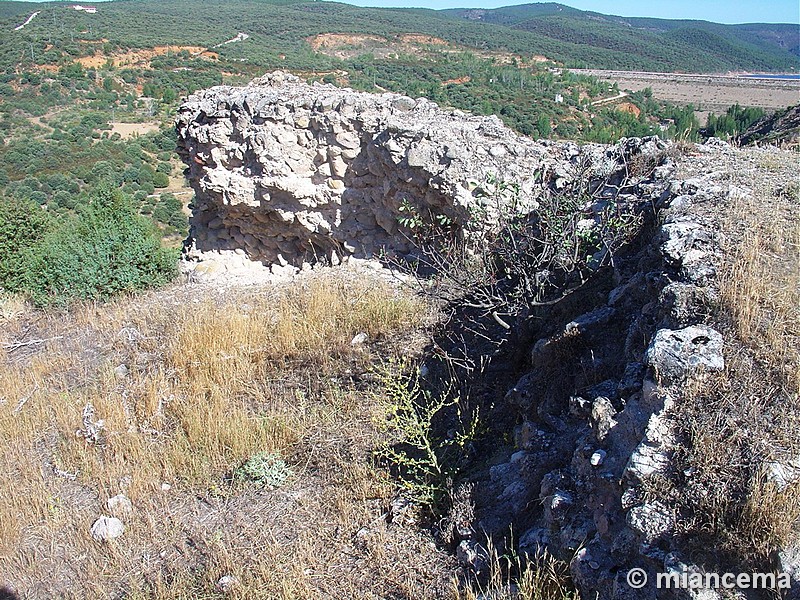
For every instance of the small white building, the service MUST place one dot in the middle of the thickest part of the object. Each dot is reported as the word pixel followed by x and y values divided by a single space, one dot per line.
pixel 87 9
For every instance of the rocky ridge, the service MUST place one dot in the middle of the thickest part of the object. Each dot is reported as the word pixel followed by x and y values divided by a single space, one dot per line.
pixel 583 458
pixel 589 453
pixel 781 127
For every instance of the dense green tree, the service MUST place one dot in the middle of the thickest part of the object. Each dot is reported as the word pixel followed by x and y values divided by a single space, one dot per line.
pixel 39 197
pixel 735 120
pixel 543 126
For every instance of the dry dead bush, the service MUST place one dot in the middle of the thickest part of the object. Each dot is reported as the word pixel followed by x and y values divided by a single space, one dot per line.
pixel 211 381
pixel 736 428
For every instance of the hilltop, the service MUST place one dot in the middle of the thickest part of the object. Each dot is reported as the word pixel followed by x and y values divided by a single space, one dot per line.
pixel 424 312
pixel 416 354
pixel 674 45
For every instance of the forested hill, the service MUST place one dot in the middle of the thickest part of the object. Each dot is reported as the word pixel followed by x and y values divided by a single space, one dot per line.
pixel 87 97
pixel 660 44
pixel 561 34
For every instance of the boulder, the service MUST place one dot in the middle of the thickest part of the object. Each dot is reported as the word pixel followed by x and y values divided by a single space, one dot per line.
pixel 106 529
pixel 676 355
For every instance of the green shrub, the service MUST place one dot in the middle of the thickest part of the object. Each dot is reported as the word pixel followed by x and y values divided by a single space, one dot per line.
pixel 180 222
pixel 424 461
pixel 266 469
pixel 160 180
pixel 22 224
pixel 63 199
pixel 106 250
pixel 39 197
pixel 169 209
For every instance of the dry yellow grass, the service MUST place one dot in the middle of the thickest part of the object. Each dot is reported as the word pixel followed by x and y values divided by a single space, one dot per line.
pixel 543 578
pixel 211 381
pixel 736 425
pixel 760 286
pixel 760 291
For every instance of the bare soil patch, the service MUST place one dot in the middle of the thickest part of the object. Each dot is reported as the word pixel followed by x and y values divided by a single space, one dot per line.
pixel 708 93
pixel 142 57
pixel 47 68
pixel 129 130
pixel 629 108
pixel 417 38
pixel 344 46
pixel 457 81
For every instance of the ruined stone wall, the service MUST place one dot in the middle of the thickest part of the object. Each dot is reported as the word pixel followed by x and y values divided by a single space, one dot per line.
pixel 286 174
pixel 289 173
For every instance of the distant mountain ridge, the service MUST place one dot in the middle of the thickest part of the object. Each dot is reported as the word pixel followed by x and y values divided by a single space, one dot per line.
pixel 698 43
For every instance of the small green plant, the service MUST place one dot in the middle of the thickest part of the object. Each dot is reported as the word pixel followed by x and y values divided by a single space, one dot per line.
pixel 266 469
pixel 410 217
pixel 425 462
pixel 420 228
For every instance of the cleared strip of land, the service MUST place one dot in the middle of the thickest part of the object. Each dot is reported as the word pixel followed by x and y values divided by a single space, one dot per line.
pixel 709 93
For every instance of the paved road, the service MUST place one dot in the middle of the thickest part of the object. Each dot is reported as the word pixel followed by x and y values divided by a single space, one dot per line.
pixel 619 96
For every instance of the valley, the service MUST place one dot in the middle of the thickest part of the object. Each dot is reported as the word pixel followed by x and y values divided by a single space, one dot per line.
pixel 706 92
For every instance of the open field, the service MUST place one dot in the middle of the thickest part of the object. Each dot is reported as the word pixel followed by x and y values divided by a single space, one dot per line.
pixel 129 130
pixel 707 93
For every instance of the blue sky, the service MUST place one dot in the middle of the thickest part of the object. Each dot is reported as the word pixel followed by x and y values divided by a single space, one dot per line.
pixel 720 11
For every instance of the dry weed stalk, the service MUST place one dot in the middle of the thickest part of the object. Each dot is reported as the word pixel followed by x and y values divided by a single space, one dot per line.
pixel 515 578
